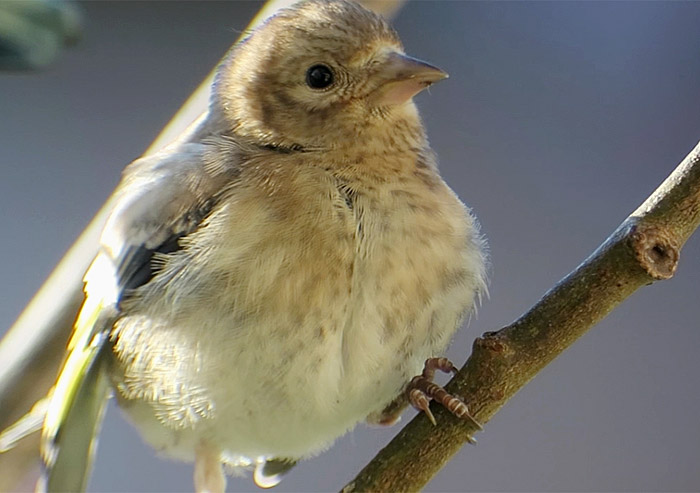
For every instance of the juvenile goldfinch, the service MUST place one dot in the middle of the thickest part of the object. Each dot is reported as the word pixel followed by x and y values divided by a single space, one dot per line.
pixel 283 271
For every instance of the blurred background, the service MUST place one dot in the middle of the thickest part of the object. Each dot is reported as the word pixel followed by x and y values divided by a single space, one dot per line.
pixel 557 121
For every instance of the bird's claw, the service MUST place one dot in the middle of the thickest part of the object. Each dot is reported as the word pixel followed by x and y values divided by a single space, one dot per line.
pixel 422 389
pixel 420 401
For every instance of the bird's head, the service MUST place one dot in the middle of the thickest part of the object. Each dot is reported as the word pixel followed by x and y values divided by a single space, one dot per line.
pixel 322 74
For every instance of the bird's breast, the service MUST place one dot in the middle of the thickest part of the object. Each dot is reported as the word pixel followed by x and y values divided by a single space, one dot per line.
pixel 309 304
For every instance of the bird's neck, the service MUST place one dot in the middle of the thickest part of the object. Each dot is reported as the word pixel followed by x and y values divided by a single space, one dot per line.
pixel 392 144
pixel 387 145
pixel 377 156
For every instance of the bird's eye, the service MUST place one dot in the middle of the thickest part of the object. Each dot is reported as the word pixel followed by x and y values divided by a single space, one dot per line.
pixel 319 77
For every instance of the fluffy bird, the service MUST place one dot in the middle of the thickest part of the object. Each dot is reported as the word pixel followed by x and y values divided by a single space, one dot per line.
pixel 281 272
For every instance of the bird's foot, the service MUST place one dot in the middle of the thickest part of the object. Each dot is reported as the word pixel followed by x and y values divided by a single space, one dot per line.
pixel 422 389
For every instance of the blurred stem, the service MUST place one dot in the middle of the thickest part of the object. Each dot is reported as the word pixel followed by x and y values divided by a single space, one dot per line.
pixel 644 248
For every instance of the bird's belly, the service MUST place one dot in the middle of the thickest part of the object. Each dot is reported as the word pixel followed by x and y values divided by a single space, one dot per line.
pixel 307 346
pixel 271 389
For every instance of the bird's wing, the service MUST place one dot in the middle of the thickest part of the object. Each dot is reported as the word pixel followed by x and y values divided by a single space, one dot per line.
pixel 161 198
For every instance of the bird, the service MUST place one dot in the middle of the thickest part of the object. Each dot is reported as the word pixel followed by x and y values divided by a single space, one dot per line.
pixel 293 265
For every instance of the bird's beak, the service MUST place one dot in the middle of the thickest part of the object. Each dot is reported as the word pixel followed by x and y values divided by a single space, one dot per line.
pixel 402 77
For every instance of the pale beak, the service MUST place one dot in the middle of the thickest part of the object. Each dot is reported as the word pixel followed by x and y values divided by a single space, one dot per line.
pixel 402 77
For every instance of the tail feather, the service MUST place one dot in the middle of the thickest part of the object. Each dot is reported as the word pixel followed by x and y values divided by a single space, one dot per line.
pixel 69 417
pixel 68 447
pixel 76 404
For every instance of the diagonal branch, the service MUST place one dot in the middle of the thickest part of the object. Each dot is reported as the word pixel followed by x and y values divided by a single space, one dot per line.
pixel 644 248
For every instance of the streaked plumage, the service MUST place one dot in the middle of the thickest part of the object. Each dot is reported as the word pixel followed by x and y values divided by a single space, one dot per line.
pixel 283 272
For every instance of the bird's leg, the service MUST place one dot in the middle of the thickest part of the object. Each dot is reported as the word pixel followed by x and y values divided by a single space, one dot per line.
pixel 209 476
pixel 391 414
pixel 422 389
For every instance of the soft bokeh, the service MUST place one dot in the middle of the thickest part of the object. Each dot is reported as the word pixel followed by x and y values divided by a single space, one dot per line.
pixel 557 121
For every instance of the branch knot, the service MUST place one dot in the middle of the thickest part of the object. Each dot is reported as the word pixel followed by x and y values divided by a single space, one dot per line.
pixel 656 250
pixel 494 344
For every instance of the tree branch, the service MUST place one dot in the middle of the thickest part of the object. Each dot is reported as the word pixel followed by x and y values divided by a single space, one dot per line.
pixel 644 248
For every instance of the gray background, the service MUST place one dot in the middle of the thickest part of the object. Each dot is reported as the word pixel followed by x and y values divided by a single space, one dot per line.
pixel 557 121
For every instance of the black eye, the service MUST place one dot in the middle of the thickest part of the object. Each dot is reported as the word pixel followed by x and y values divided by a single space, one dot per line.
pixel 319 77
